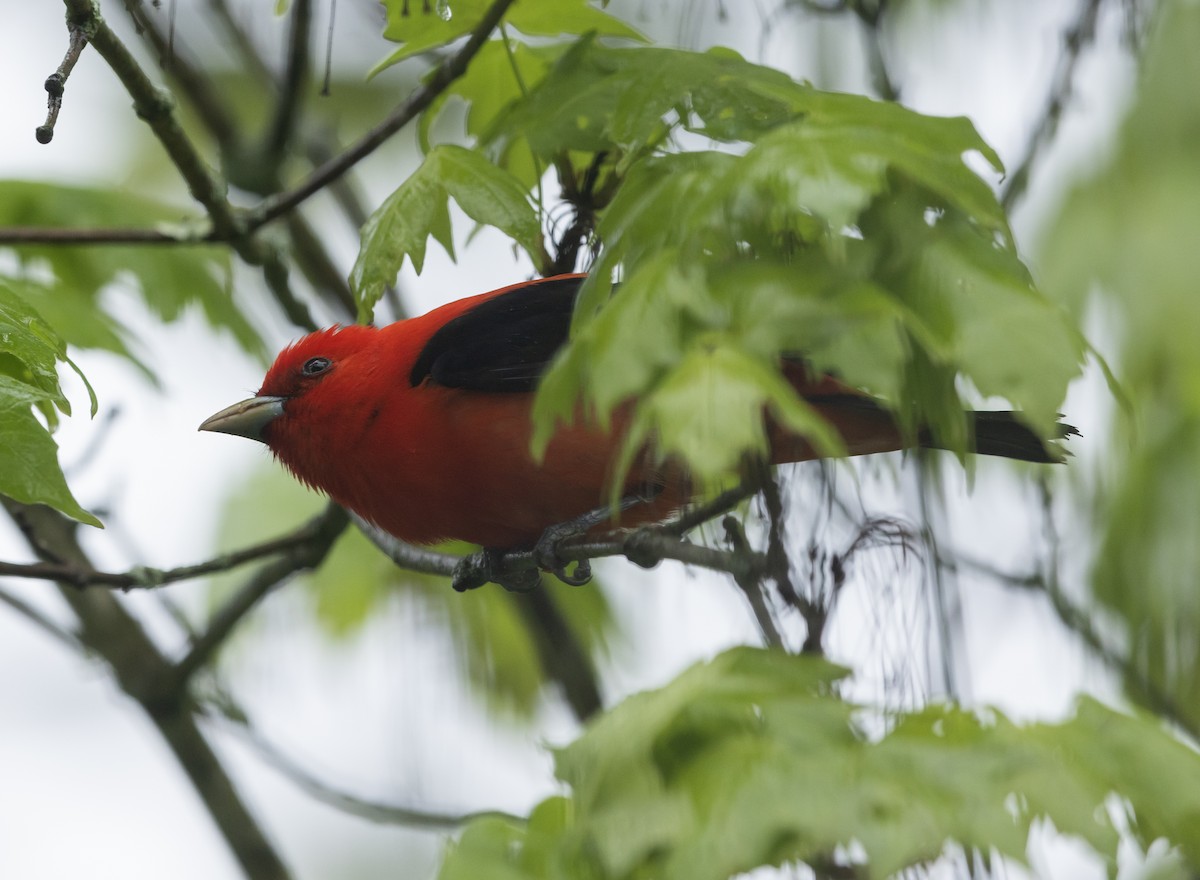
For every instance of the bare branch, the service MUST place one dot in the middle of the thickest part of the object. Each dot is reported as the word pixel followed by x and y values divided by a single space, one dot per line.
pixel 212 112
pixel 300 541
pixel 56 83
pixel 1081 33
pixel 157 108
pixel 141 671
pixel 447 72
pixel 751 584
pixel 322 532
pixel 372 811
pixel 287 107
pixel 41 621
pixel 96 235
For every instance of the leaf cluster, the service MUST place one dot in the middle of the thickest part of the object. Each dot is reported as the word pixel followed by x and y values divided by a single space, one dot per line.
pixel 1123 244
pixel 752 759
pixel 750 219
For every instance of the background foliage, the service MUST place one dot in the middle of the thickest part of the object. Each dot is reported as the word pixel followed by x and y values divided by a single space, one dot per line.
pixel 747 215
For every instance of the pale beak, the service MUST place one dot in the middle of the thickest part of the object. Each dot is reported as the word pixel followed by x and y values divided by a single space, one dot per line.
pixel 246 419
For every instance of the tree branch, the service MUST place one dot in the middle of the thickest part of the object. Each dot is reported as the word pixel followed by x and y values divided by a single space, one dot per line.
pixel 372 811
pixel 56 83
pixel 287 107
pixel 322 532
pixel 41 621
pixel 444 74
pixel 142 672
pixel 306 539
pixel 1079 35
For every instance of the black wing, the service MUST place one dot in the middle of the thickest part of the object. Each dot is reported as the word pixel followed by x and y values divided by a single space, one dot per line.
pixel 506 343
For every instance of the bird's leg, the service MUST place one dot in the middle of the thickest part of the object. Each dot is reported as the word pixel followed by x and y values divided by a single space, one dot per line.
pixel 489 566
pixel 518 572
pixel 546 550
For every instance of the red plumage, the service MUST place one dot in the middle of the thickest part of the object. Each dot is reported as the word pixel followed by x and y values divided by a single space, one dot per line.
pixel 423 426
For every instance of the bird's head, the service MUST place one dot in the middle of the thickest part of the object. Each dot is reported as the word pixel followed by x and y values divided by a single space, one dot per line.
pixel 301 381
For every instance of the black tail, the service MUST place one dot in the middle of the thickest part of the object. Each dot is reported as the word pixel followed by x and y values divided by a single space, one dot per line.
pixel 992 433
pixel 1001 433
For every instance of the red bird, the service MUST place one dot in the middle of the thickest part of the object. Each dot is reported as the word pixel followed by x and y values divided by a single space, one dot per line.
pixel 423 427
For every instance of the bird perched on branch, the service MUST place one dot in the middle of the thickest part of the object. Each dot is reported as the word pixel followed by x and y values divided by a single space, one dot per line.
pixel 423 427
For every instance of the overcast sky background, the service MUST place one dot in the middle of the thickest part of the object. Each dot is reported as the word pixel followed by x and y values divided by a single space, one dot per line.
pixel 86 787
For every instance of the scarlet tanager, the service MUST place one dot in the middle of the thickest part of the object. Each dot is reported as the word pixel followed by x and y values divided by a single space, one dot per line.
pixel 423 427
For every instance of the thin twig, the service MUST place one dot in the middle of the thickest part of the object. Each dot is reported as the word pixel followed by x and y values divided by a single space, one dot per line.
pixel 372 811
pixel 1077 620
pixel 108 629
pixel 645 547
pixel 41 621
pixel 97 235
pixel 205 99
pixel 287 107
pixel 56 83
pixel 1081 33
pixel 146 578
pixel 445 73
pixel 750 583
pixel 323 532
pixel 157 108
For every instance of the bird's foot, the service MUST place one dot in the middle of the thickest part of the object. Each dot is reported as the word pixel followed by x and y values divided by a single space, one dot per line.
pixel 520 572
pixel 490 566
pixel 547 552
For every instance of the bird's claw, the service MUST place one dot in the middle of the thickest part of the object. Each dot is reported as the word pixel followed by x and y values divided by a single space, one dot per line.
pixel 488 566
pixel 546 554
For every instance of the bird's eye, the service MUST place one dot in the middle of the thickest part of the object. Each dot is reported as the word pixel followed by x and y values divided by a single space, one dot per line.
pixel 315 366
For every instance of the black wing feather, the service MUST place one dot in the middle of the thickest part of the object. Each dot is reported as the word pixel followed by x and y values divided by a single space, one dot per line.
pixel 505 344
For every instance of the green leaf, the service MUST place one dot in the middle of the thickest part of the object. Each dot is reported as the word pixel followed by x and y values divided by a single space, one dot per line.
pixel 30 349
pixel 30 352
pixel 600 98
pixel 29 469
pixel 419 208
pixel 711 411
pixel 494 81
pixel 440 22
pixel 751 760
pixel 1124 246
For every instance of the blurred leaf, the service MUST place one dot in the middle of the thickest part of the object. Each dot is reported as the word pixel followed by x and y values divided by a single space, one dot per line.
pixel 419 209
pixel 1126 236
pixel 751 760
pixel 709 413
pixel 30 352
pixel 169 279
pixel 438 22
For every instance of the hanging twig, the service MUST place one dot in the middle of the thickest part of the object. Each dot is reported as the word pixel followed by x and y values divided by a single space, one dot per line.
pixel 56 82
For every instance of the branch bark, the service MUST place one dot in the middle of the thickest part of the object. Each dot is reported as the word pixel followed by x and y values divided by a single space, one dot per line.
pixel 146 676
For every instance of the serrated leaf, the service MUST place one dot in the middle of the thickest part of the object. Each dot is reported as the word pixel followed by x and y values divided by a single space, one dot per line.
pixel 495 79
pixel 30 349
pixel 601 98
pixel 711 411
pixel 751 760
pixel 419 208
pixel 29 469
